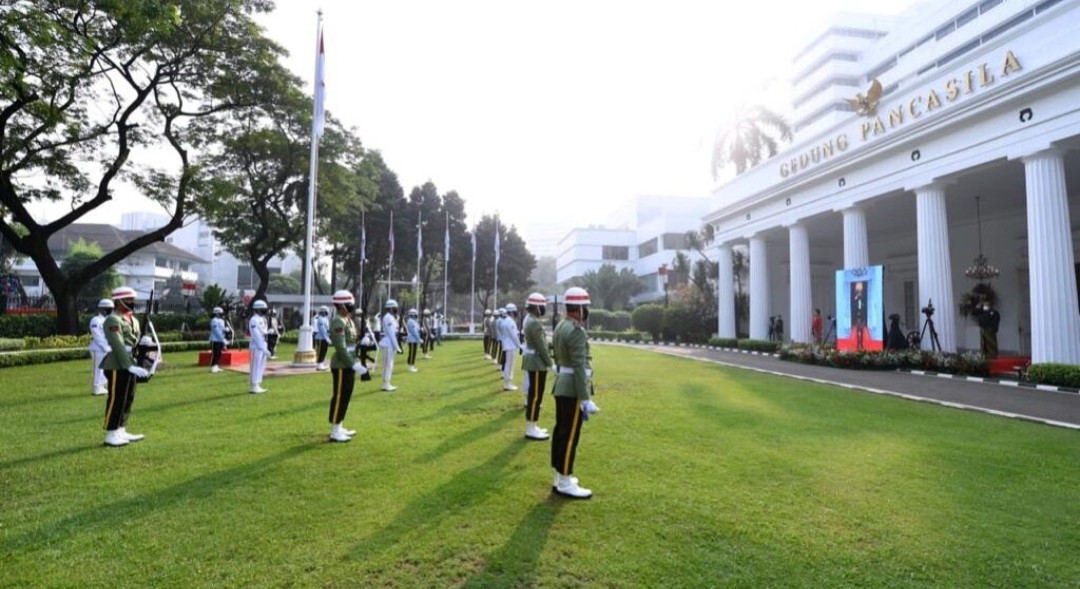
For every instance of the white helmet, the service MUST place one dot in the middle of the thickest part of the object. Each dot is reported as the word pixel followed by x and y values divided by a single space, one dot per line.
pixel 501 312
pixel 427 312
pixel 487 312
pixel 145 341
pixel 105 304
pixel 343 297
pixel 575 295
pixel 123 292
pixel 511 308
pixel 412 313
pixel 218 311
pixel 324 310
pixel 259 305
pixel 536 299
pixel 391 304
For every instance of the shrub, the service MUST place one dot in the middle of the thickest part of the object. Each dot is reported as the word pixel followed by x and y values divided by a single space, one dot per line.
pixel 604 320
pixel 686 324
pixel 10 344
pixel 56 342
pixel 723 342
pixel 27 325
pixel 1050 373
pixel 648 318
pixel 967 363
pixel 758 345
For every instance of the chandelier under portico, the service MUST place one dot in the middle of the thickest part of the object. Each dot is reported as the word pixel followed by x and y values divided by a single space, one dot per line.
pixel 981 269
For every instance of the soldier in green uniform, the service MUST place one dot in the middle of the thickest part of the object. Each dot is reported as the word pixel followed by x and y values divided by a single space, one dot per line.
pixel 535 362
pixel 343 364
pixel 573 388
pixel 121 371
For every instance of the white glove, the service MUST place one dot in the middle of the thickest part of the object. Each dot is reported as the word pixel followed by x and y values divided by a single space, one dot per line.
pixel 365 341
pixel 589 407
pixel 138 371
pixel 359 368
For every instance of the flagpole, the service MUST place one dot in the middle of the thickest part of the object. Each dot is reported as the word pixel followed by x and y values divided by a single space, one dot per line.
pixel 446 265
pixel 363 258
pixel 305 350
pixel 419 254
pixel 472 294
pixel 390 269
pixel 495 296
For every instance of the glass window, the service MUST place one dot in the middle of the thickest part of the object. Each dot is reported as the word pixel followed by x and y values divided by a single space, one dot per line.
pixel 245 277
pixel 967 17
pixel 161 262
pixel 987 5
pixel 674 241
pixel 945 31
pixel 615 252
pixel 648 248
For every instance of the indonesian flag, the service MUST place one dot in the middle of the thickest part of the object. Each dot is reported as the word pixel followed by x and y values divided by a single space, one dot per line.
pixel 320 88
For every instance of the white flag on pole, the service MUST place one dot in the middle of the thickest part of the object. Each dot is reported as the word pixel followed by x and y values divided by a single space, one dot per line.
pixel 320 88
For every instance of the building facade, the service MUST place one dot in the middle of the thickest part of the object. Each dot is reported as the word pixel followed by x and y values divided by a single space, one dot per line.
pixel 959 142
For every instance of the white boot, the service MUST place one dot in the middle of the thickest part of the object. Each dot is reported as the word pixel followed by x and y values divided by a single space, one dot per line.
pixel 348 432
pixel 567 486
pixel 508 386
pixel 338 435
pixel 100 391
pixel 412 369
pixel 115 437
pixel 534 433
pixel 130 437
pixel 215 368
pixel 555 481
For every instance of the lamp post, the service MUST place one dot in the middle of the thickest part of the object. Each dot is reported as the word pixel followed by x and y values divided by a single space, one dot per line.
pixel 662 272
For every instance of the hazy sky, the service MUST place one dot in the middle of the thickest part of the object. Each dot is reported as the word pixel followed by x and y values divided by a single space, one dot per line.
pixel 547 112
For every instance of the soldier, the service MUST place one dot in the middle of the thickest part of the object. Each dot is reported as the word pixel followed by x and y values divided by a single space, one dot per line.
pixel 535 362
pixel 486 329
pixel 573 388
pixel 427 332
pixel 121 371
pixel 343 365
pixel 260 350
pixel 273 333
pixel 369 341
pixel 412 337
pixel 389 343
pixel 218 340
pixel 510 341
pixel 322 336
pixel 496 343
pixel 99 346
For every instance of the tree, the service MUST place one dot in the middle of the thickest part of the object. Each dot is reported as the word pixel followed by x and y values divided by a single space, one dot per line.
pixel 751 139
pixel 649 319
pixel 84 87
pixel 545 276
pixel 740 267
pixel 610 288
pixel 389 198
pixel 516 263
pixel 284 284
pixel 81 254
pixel 215 296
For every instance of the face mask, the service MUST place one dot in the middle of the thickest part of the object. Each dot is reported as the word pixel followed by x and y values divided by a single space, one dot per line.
pixel 584 313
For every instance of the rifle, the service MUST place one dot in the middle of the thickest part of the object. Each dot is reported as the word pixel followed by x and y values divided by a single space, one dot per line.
pixel 157 341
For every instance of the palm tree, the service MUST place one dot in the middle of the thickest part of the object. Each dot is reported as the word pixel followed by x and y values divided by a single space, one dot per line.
pixel 700 240
pixel 740 265
pixel 751 139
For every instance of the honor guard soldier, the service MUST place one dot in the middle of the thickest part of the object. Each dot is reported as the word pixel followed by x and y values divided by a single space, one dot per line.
pixel 121 371
pixel 218 339
pixel 509 341
pixel 99 346
pixel 413 337
pixel 368 345
pixel 389 343
pixel 343 365
pixel 260 350
pixel 486 330
pixel 322 337
pixel 427 332
pixel 273 333
pixel 496 343
pixel 535 362
pixel 573 389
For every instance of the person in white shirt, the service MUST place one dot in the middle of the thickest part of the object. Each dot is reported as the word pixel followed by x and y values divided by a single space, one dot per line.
pixel 389 343
pixel 99 346
pixel 260 350
pixel 322 337
pixel 510 338
pixel 218 339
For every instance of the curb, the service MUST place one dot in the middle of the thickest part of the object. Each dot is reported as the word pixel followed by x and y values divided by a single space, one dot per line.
pixel 991 380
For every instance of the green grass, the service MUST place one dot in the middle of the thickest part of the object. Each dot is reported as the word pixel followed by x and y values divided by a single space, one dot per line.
pixel 704 477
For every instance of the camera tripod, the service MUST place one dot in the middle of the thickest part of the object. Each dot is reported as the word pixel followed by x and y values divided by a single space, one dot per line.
pixel 935 345
pixel 829 333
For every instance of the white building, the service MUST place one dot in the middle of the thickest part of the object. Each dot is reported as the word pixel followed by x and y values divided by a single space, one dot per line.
pixel 643 234
pixel 978 99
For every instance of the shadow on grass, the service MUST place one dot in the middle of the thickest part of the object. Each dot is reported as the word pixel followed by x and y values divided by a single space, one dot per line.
pixel 108 514
pixel 138 409
pixel 467 488
pixel 513 565
pixel 47 456
pixel 463 439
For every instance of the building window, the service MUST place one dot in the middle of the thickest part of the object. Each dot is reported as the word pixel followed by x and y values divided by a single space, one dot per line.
pixel 615 252
pixel 648 248
pixel 881 69
pixel 184 266
pixel 30 281
pixel 161 262
pixel 945 31
pixel 674 241
pixel 245 277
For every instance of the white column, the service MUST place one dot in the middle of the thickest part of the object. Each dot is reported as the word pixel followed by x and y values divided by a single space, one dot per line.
pixel 798 323
pixel 856 248
pixel 935 265
pixel 759 288
pixel 726 308
pixel 1055 325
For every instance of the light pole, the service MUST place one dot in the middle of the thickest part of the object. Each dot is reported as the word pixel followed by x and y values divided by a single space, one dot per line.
pixel 662 272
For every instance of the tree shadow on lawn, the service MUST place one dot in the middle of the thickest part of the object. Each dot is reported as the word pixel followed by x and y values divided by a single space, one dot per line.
pixel 467 488
pixel 485 429
pixel 47 456
pixel 513 564
pixel 137 409
pixel 144 504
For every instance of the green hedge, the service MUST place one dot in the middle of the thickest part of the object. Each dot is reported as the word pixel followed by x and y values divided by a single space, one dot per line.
pixel 1059 375
pixel 10 344
pixel 759 345
pixel 723 342
pixel 46 356
pixel 19 326
pixel 56 341
pixel 967 363
pixel 604 320
pixel 618 336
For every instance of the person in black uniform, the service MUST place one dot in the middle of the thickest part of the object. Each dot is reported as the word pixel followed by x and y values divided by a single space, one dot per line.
pixel 989 321
pixel 858 311
pixel 343 365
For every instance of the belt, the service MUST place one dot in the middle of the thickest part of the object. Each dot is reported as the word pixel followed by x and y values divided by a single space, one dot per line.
pixel 568 370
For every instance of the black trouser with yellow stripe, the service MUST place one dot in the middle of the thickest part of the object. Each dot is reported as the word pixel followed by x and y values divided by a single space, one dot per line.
pixel 534 393
pixel 344 379
pixel 412 354
pixel 121 387
pixel 564 439
pixel 215 352
pixel 487 345
pixel 323 346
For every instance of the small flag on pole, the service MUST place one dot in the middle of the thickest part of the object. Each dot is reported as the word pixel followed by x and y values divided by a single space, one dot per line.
pixel 391 237
pixel 474 246
pixel 446 241
pixel 363 239
pixel 320 88
pixel 498 248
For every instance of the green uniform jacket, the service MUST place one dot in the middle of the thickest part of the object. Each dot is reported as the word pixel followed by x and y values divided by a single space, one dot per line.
pixel 342 331
pixel 572 352
pixel 535 356
pixel 122 334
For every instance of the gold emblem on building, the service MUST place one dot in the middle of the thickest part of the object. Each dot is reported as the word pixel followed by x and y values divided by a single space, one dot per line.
pixel 867 105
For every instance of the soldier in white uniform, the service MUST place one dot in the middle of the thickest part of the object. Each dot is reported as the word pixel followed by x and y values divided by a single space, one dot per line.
pixel 260 350
pixel 510 341
pixel 389 343
pixel 99 346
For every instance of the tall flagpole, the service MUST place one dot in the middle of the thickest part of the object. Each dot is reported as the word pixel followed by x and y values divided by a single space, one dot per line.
pixel 390 269
pixel 472 294
pixel 305 351
pixel 419 255
pixel 363 259
pixel 446 265
pixel 495 296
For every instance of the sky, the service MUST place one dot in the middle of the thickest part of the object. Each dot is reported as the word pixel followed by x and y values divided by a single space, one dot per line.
pixel 550 113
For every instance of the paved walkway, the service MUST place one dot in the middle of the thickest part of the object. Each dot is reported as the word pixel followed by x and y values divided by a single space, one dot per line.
pixel 1051 408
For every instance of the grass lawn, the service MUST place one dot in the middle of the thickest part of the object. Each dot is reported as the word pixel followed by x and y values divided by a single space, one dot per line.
pixel 704 477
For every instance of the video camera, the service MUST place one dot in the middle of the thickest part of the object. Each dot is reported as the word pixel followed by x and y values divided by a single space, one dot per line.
pixel 928 310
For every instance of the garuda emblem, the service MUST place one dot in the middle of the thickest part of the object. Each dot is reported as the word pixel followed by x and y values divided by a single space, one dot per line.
pixel 867 105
